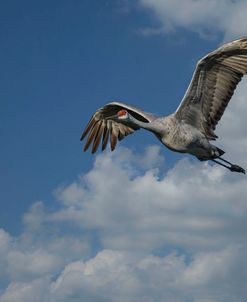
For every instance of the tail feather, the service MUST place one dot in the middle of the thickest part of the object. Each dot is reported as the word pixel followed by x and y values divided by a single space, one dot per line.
pixel 218 152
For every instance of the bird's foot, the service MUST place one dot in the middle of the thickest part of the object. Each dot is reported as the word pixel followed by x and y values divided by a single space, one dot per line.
pixel 236 168
pixel 231 167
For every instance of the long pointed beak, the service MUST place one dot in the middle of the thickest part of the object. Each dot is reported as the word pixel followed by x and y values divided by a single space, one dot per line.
pixel 112 117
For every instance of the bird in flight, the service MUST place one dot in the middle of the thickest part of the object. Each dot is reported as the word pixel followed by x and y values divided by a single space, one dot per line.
pixel 191 127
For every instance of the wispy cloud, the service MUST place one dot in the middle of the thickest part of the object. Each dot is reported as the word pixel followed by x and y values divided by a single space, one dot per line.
pixel 206 17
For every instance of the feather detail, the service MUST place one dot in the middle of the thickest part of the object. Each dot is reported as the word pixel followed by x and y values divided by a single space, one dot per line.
pixel 97 138
pixel 113 139
pixel 91 136
pixel 103 124
pixel 105 136
pixel 89 126
pixel 212 86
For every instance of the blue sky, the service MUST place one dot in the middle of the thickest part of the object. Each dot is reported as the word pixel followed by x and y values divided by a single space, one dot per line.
pixel 62 60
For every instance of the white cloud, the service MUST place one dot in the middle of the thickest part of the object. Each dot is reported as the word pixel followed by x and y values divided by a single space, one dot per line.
pixel 35 217
pixel 37 253
pixel 206 17
pixel 120 276
pixel 5 243
pixel 5 240
pixel 160 233
pixel 22 265
pixel 34 291
pixel 188 207
pixel 194 208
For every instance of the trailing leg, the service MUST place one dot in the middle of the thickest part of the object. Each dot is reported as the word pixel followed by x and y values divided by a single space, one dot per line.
pixel 231 167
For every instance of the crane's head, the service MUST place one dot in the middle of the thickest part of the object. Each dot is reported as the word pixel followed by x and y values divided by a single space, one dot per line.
pixel 123 114
pixel 124 117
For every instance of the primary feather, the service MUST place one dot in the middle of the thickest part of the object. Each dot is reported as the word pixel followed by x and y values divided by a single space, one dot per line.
pixel 102 122
pixel 212 86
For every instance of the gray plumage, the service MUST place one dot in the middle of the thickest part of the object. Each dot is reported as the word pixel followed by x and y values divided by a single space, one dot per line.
pixel 191 127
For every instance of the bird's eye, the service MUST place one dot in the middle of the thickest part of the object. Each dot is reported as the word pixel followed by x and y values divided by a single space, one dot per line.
pixel 121 113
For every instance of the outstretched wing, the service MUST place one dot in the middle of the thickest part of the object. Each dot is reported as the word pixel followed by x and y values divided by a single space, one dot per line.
pixel 102 125
pixel 212 86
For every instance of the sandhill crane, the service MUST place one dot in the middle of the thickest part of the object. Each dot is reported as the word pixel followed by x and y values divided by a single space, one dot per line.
pixel 190 128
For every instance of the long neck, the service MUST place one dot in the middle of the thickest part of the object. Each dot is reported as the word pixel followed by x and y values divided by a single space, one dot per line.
pixel 150 126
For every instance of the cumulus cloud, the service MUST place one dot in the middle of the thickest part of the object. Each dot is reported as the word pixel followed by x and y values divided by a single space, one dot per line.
pixel 119 276
pixel 206 17
pixel 34 291
pixel 189 206
pixel 134 228
pixel 172 234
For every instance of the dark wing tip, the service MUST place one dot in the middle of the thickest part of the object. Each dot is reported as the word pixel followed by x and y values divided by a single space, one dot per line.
pixel 97 137
pixel 105 137
pixel 89 126
pixel 92 135
pixel 113 141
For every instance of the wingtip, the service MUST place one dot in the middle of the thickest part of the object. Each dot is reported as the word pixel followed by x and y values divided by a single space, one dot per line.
pixel 84 134
pixel 85 148
pixel 113 141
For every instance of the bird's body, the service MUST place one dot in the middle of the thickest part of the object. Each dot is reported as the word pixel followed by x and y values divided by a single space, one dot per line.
pixel 181 137
pixel 191 128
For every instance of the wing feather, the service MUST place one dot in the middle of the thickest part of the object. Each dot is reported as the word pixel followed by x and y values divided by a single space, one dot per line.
pixel 103 125
pixel 212 86
pixel 105 135
pixel 113 141
pixel 97 137
pixel 89 126
pixel 91 136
